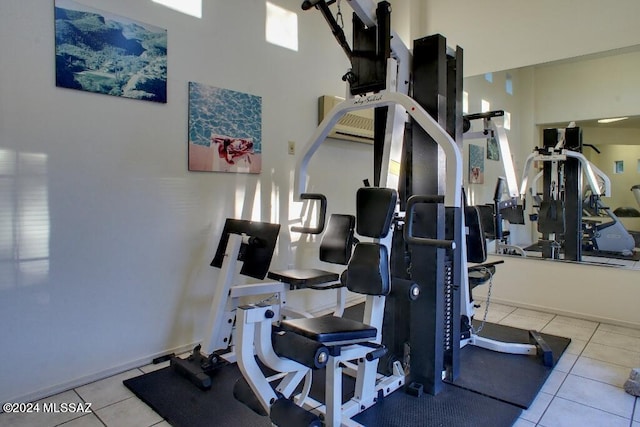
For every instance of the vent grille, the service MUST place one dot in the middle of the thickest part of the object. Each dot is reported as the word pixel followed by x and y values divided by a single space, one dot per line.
pixel 355 126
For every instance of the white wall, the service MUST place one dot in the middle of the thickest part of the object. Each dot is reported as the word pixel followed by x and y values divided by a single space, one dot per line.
pixel 607 86
pixel 125 234
pixel 498 35
pixel 603 294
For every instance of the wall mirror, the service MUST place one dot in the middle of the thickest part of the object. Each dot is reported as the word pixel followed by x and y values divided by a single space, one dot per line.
pixel 573 92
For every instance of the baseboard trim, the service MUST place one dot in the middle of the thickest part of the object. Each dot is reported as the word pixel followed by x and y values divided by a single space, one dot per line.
pixel 87 379
pixel 560 312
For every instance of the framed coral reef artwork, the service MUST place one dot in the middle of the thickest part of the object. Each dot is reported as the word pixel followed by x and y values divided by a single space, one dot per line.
pixel 97 51
pixel 476 164
pixel 225 130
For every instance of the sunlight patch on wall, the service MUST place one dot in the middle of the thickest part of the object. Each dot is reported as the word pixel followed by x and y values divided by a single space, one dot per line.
pixel 282 27
pixel 239 201
pixel 189 7
pixel 465 102
pixel 256 212
pixel 24 219
pixel 275 200
pixel 507 120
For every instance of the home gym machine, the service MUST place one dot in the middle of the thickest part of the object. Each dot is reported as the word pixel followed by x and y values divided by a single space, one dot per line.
pixel 561 202
pixel 419 340
pixel 509 209
pixel 250 243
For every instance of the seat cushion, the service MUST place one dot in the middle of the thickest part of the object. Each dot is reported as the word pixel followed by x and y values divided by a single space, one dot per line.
pixel 301 278
pixel 330 329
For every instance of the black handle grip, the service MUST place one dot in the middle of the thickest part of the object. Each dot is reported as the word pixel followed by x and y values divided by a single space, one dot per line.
pixel 308 4
pixel 408 229
pixel 376 354
pixel 486 115
pixel 323 213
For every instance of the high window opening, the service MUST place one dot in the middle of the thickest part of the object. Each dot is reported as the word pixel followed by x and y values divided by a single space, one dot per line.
pixel 189 7
pixel 281 27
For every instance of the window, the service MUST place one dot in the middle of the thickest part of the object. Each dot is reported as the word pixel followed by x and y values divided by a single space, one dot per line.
pixel 488 77
pixel 189 7
pixel 282 27
pixel 618 166
pixel 508 85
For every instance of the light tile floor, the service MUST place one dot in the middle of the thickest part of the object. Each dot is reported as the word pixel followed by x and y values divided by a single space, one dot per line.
pixel 584 389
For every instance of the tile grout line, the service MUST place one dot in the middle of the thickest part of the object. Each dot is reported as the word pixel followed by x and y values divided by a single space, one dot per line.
pixel 592 407
pixel 555 394
pixel 95 413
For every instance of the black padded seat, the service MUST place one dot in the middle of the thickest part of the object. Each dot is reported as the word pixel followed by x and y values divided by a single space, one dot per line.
pixel 330 329
pixel 335 248
pixel 301 278
pixel 367 273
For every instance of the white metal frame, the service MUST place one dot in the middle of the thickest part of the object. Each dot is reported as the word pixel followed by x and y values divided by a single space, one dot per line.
pixel 453 195
pixel 591 172
pixel 255 328
pixel 492 128
pixel 226 299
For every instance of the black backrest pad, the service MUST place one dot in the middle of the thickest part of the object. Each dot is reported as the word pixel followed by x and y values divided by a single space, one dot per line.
pixel 368 270
pixel 374 211
pixel 487 219
pixel 551 217
pixel 337 241
pixel 476 243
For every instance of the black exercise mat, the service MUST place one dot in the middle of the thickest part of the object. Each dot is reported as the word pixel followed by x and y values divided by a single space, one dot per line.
pixel 183 404
pixel 506 378
pixel 452 407
pixel 515 379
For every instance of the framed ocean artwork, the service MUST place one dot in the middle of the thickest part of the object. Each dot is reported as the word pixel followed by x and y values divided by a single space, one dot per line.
pixel 225 130
pixel 97 51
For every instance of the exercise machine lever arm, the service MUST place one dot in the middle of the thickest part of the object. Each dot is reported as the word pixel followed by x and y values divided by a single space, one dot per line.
pixel 321 214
